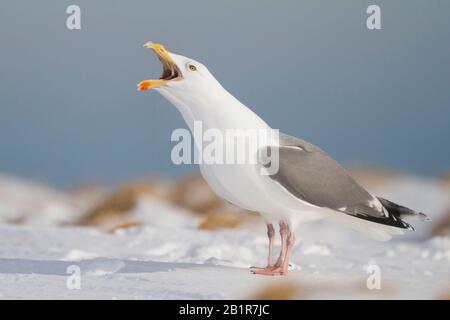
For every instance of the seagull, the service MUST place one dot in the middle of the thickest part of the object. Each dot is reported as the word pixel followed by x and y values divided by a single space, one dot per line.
pixel 307 185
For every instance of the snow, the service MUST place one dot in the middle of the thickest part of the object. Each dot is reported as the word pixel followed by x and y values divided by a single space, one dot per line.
pixel 168 257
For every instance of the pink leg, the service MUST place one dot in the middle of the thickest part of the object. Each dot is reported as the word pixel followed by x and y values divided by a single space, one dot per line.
pixel 284 231
pixel 282 264
pixel 290 247
pixel 271 236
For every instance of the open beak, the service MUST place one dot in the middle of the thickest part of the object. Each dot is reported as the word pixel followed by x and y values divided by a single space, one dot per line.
pixel 171 72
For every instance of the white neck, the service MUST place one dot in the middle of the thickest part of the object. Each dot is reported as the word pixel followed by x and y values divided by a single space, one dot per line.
pixel 214 107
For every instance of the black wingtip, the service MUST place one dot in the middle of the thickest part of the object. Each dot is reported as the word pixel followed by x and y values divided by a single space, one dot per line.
pixel 424 217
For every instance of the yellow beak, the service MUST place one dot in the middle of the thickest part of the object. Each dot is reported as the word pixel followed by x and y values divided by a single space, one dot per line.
pixel 170 69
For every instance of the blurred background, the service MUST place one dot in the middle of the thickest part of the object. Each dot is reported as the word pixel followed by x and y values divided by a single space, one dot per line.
pixel 85 169
pixel 70 113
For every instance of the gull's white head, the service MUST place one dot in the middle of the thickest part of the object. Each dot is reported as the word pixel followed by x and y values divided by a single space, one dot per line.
pixel 180 74
pixel 195 92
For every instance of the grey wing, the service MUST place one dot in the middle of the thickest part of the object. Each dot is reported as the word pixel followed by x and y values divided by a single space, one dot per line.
pixel 311 175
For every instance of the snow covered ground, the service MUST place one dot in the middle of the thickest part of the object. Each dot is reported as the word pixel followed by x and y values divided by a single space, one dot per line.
pixel 168 257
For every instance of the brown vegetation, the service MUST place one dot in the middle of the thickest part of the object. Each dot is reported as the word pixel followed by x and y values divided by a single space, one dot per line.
pixel 282 290
pixel 117 204
pixel 194 194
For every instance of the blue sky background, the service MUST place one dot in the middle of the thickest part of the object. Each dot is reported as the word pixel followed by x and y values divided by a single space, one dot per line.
pixel 70 112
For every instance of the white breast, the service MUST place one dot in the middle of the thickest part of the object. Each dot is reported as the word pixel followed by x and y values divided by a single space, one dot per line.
pixel 240 184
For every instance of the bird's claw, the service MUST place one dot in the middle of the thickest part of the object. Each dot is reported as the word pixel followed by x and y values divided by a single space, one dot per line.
pixel 268 271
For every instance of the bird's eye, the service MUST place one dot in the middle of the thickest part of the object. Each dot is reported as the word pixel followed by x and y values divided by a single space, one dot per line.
pixel 192 67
